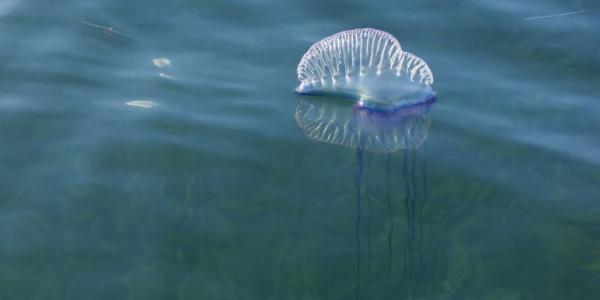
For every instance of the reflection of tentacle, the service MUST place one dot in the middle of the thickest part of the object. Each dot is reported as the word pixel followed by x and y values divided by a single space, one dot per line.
pixel 413 178
pixel 357 183
pixel 407 215
pixel 370 206
pixel 389 208
pixel 424 183
pixel 408 173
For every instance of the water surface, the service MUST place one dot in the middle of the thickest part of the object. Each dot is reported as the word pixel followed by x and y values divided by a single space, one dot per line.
pixel 210 190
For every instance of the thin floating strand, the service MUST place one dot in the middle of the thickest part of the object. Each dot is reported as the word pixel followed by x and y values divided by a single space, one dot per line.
pixel 569 13
pixel 106 29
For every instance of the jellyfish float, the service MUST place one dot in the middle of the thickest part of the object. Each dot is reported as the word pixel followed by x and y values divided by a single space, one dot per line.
pixel 367 65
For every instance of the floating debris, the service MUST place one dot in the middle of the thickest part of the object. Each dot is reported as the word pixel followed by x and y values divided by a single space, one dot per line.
pixel 166 76
pixel 108 30
pixel 161 62
pixel 570 13
pixel 142 103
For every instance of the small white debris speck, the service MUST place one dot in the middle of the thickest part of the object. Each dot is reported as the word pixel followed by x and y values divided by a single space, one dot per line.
pixel 167 76
pixel 142 103
pixel 161 62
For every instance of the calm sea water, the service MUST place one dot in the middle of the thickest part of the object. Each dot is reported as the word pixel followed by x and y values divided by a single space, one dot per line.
pixel 219 188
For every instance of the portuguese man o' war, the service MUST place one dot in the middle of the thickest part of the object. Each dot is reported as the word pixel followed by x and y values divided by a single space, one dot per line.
pixel 394 95
pixel 367 65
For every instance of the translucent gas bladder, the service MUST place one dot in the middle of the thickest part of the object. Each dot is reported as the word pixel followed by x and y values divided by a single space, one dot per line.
pixel 362 128
pixel 368 65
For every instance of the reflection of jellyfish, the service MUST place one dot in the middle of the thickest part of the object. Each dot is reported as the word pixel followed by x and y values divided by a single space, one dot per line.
pixel 362 128
pixel 384 132
pixel 368 65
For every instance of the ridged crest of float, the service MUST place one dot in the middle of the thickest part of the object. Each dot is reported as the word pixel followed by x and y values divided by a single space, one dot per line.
pixel 360 52
pixel 355 127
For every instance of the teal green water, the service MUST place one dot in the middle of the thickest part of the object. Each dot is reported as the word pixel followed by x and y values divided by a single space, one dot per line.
pixel 228 188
